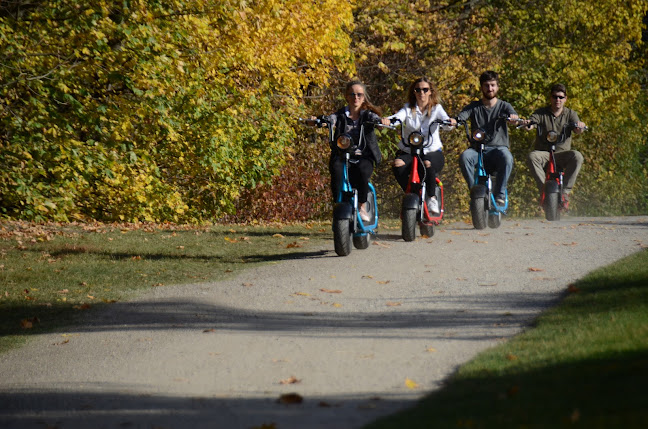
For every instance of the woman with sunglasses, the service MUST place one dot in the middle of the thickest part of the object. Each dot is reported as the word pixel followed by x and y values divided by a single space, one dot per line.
pixel 420 112
pixel 357 119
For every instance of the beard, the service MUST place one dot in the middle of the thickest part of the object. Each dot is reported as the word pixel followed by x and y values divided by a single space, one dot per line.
pixel 489 95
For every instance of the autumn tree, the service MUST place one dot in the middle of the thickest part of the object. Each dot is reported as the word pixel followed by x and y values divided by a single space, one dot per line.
pixel 595 48
pixel 158 111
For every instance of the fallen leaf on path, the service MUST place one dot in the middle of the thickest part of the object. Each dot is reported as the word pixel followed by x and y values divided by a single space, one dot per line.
pixel 291 380
pixel 383 282
pixel 535 269
pixel 367 277
pixel 290 398
pixel 331 290
pixel 480 241
pixel 431 350
pixel 378 243
pixel 337 305
pixel 573 243
pixel 278 236
pixel 293 245
pixel 302 293
pixel 248 284
pixel 393 304
pixel 411 384
pixel 210 330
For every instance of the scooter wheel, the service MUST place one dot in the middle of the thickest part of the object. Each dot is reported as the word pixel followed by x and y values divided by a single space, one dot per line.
pixel 408 227
pixel 494 220
pixel 342 236
pixel 361 241
pixel 427 230
pixel 479 212
pixel 551 207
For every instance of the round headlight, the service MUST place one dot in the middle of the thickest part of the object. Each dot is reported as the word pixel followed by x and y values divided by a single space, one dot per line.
pixel 479 135
pixel 344 141
pixel 415 139
pixel 552 137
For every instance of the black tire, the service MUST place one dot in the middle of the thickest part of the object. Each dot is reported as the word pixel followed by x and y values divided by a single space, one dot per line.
pixel 342 236
pixel 551 207
pixel 408 227
pixel 361 241
pixel 427 230
pixel 478 212
pixel 494 220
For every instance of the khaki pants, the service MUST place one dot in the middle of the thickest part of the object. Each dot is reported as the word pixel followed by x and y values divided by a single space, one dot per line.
pixel 570 161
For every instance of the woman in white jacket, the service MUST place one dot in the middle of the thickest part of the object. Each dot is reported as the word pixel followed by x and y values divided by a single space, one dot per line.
pixel 419 114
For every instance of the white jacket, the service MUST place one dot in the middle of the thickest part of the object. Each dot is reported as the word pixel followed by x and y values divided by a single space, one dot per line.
pixel 418 121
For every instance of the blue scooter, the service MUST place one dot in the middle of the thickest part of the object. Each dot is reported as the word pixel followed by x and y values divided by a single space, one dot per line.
pixel 347 225
pixel 484 210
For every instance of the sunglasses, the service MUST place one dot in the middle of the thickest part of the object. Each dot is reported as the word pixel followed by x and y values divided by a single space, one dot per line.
pixel 356 95
pixel 558 97
pixel 424 90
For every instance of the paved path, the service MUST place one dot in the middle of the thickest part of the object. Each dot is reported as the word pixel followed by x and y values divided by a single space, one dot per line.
pixel 350 330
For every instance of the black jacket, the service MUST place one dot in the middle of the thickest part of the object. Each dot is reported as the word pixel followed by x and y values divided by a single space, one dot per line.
pixel 368 144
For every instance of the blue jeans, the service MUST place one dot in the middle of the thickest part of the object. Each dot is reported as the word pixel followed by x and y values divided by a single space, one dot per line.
pixel 497 159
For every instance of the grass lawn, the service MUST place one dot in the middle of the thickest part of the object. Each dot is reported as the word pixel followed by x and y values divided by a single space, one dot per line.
pixel 50 273
pixel 583 365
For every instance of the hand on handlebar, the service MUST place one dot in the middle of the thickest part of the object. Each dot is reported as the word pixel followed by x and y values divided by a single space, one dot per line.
pixel 580 127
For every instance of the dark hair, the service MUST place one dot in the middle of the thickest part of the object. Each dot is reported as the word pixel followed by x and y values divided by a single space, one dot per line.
pixel 434 95
pixel 487 76
pixel 558 87
pixel 366 104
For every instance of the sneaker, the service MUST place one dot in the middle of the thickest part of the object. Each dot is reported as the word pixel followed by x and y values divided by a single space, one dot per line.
pixel 433 205
pixel 364 215
pixel 500 202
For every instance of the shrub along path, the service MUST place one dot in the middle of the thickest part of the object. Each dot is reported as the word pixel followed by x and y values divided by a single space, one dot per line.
pixel 317 341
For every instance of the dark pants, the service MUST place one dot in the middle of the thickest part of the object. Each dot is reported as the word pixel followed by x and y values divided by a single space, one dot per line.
pixel 402 174
pixel 359 175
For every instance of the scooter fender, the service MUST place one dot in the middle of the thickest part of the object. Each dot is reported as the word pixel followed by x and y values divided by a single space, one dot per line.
pixel 551 187
pixel 411 201
pixel 478 191
pixel 342 211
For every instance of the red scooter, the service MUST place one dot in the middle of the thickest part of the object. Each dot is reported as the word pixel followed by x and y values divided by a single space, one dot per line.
pixel 414 209
pixel 552 198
